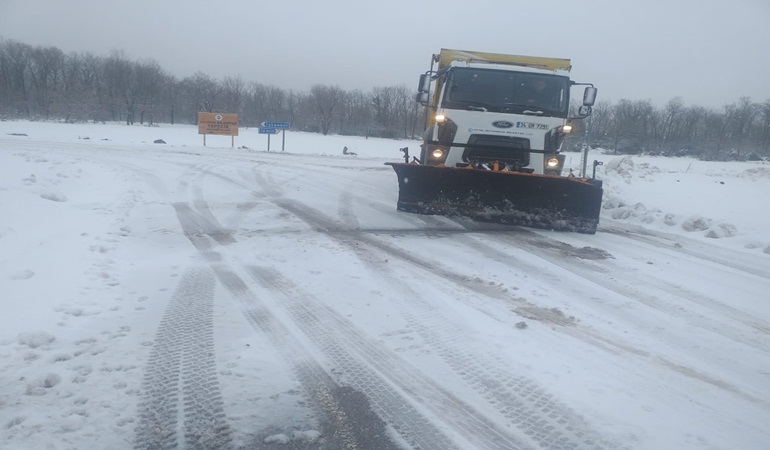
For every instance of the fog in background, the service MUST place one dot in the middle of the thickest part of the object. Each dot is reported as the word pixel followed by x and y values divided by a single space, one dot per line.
pixel 708 52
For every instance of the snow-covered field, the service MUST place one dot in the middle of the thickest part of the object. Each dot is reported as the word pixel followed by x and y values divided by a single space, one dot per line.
pixel 181 296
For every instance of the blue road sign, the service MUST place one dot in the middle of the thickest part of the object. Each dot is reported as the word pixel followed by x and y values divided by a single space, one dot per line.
pixel 265 130
pixel 267 124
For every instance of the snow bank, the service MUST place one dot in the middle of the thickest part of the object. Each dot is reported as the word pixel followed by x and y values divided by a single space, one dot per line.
pixel 711 200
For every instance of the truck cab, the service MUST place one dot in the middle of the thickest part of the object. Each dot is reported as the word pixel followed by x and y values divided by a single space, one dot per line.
pixel 506 111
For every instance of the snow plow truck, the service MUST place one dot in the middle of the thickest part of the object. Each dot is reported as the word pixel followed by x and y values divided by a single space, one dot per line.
pixel 491 151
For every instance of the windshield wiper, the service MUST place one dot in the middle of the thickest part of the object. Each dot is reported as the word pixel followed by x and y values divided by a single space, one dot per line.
pixel 471 105
pixel 534 113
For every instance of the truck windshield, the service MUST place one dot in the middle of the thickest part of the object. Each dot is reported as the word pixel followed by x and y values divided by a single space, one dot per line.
pixel 507 92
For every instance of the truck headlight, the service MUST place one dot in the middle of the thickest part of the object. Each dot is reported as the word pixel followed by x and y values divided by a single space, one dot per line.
pixel 552 162
pixel 440 118
pixel 566 129
pixel 437 153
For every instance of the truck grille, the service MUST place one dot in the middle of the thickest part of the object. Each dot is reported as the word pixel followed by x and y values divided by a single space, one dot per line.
pixel 509 150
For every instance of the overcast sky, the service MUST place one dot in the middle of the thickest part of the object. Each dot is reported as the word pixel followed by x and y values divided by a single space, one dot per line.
pixel 709 52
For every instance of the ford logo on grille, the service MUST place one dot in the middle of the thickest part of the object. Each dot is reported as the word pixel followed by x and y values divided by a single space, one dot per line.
pixel 502 124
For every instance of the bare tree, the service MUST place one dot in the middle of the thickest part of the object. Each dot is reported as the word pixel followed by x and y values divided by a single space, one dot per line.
pixel 632 123
pixel 203 92
pixel 15 64
pixel 714 135
pixel 46 68
pixel 670 120
pixel 764 133
pixel 256 103
pixel 415 120
pixel 692 122
pixel 150 79
pixel 342 113
pixel 358 113
pixel 405 110
pixel 122 86
pixel 233 94
pixel 326 99
pixel 293 101
pixel 92 79
pixel 741 117
pixel 275 103
pixel 172 92
pixel 384 101
pixel 77 94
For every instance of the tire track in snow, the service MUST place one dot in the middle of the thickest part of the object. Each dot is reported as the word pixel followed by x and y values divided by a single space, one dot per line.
pixel 552 251
pixel 527 406
pixel 573 260
pixel 339 340
pixel 513 395
pixel 699 298
pixel 180 381
pixel 408 422
pixel 692 248
pixel 346 420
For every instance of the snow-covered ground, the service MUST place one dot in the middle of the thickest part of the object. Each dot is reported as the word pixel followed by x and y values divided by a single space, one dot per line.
pixel 161 295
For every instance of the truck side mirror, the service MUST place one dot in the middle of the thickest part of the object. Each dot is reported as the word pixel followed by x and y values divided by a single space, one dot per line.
pixel 584 111
pixel 424 85
pixel 589 96
pixel 422 98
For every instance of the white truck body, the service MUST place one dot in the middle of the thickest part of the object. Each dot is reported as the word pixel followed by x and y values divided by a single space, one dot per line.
pixel 485 108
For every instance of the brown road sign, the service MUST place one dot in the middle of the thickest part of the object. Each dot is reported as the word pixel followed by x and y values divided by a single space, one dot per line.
pixel 216 123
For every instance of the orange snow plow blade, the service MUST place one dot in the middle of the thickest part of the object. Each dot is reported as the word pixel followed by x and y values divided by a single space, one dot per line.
pixel 537 201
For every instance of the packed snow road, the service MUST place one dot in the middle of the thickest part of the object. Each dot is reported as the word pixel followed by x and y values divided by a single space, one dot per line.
pixel 229 299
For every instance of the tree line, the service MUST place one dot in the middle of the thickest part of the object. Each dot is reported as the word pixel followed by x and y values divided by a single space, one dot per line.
pixel 738 131
pixel 44 83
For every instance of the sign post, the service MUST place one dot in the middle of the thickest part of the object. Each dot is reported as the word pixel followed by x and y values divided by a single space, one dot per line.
pixel 268 131
pixel 220 124
pixel 277 126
